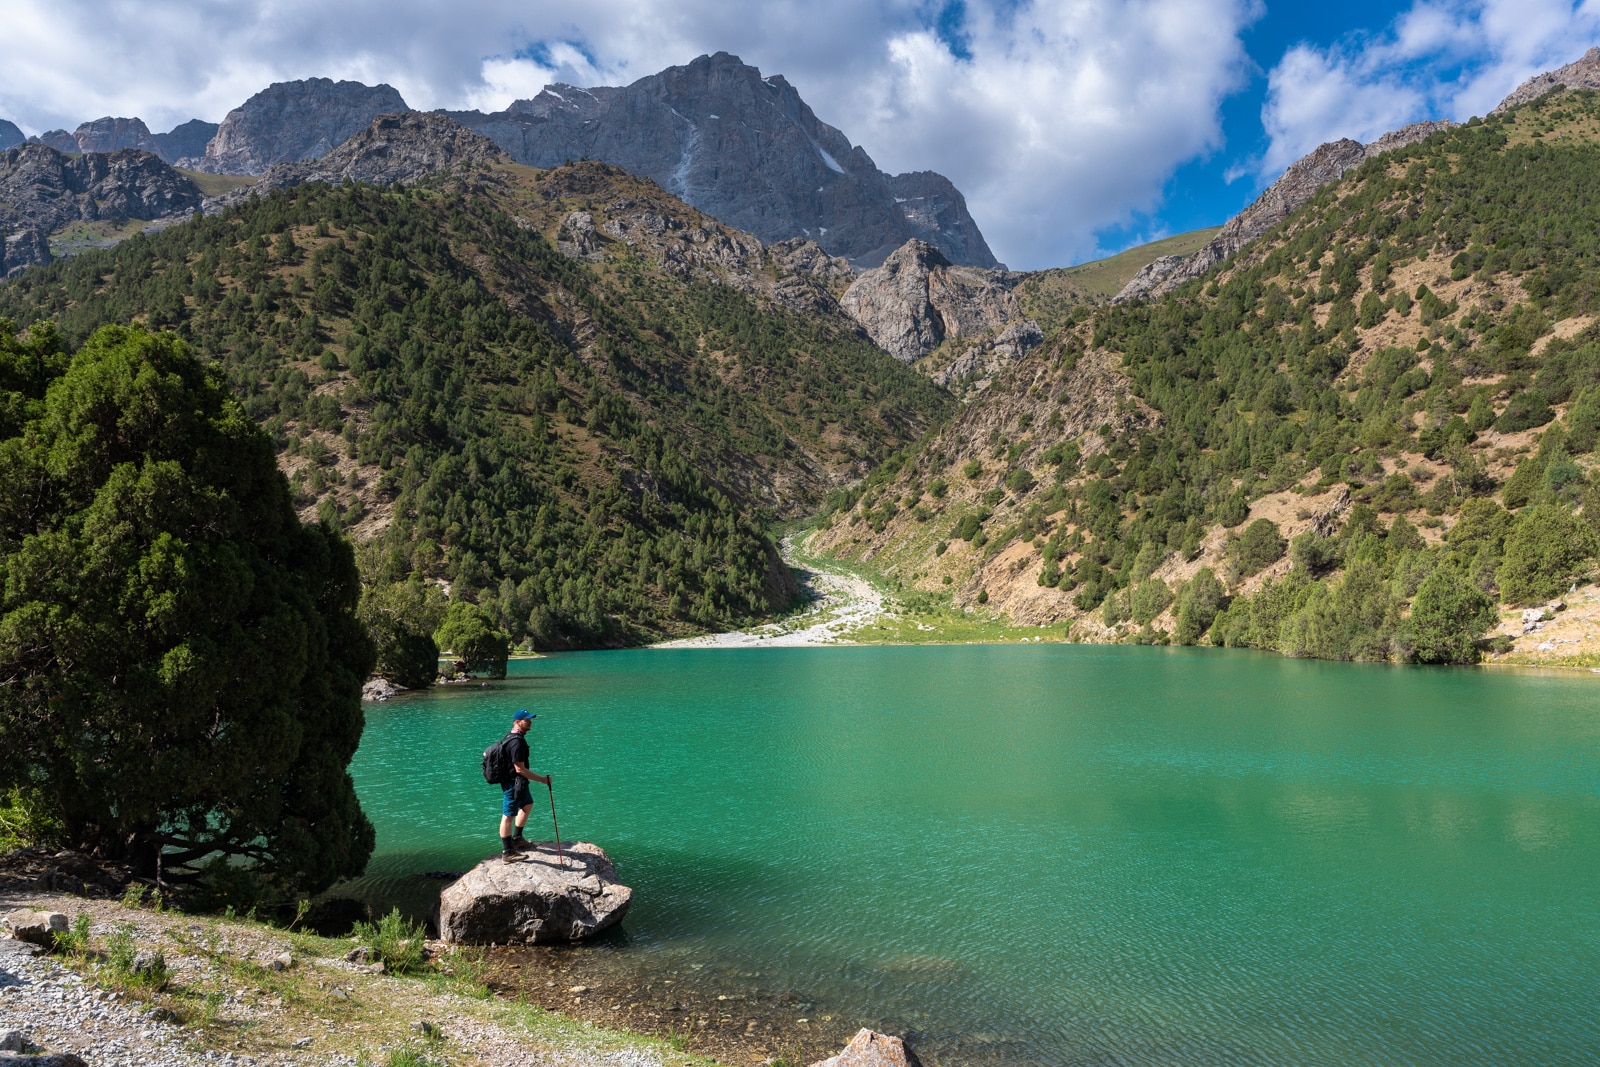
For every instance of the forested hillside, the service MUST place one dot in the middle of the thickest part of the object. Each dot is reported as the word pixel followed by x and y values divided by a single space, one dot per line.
pixel 1354 439
pixel 592 445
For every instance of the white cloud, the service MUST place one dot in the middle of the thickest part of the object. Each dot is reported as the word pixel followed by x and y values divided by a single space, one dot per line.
pixel 1438 59
pixel 1058 118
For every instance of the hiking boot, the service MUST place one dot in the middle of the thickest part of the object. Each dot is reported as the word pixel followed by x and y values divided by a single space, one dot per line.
pixel 510 857
pixel 524 845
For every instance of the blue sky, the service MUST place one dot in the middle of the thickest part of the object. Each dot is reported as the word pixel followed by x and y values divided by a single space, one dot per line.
pixel 1074 127
pixel 1210 188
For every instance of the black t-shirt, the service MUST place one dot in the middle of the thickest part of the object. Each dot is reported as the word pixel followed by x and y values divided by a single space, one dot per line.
pixel 519 754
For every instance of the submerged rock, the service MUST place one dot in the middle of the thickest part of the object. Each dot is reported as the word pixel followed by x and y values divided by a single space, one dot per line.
pixel 871 1049
pixel 535 898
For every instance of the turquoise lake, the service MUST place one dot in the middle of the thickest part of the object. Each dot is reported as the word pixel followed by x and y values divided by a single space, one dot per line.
pixel 1064 854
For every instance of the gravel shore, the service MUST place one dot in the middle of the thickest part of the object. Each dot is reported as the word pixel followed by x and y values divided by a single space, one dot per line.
pixel 226 1003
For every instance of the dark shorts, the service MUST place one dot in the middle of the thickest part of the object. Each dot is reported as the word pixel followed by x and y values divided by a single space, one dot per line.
pixel 517 797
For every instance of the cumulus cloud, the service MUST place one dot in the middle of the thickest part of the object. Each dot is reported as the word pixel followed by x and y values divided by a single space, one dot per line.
pixel 1438 59
pixel 1056 117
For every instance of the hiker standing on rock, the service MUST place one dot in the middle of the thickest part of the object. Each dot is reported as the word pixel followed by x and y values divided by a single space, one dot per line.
pixel 518 800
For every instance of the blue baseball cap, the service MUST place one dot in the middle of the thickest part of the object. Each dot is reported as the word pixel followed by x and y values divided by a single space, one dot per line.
pixel 524 713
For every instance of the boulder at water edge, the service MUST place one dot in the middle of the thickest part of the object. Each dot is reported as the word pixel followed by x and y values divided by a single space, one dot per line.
pixel 871 1049
pixel 536 898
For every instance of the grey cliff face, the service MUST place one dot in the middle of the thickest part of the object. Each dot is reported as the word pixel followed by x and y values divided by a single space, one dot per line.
pixel 395 149
pixel 1326 164
pixel 745 149
pixel 10 135
pixel 1584 73
pixel 187 141
pixel 42 190
pixel 60 140
pixel 917 299
pixel 113 134
pixel 289 122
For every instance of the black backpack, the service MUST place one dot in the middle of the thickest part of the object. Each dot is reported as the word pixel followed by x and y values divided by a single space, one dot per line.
pixel 497 766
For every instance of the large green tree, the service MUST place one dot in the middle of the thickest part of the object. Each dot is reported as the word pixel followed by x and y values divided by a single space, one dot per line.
pixel 1448 617
pixel 180 660
pixel 469 633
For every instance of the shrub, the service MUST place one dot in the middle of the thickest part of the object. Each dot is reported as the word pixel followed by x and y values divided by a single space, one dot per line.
pixel 1314 555
pixel 1547 549
pixel 1198 603
pixel 1448 616
pixel 1260 546
pixel 1020 480
pixel 1524 411
pixel 1583 421
pixel 394 940
pixel 1150 598
pixel 1234 509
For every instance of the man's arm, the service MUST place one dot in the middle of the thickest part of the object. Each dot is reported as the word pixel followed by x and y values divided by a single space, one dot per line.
pixel 523 772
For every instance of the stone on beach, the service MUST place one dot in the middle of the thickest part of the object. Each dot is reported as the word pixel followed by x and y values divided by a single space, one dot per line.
pixel 37 927
pixel 871 1049
pixel 536 898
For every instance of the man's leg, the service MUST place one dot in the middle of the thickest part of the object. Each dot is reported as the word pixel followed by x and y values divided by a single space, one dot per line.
pixel 507 848
pixel 520 841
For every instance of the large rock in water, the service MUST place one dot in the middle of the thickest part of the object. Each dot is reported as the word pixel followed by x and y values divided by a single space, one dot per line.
pixel 535 898
pixel 871 1049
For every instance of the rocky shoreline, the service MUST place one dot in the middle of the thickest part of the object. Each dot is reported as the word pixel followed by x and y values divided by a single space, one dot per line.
pixel 238 992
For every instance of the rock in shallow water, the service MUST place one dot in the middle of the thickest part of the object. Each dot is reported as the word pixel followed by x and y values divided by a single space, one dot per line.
pixel 871 1049
pixel 535 898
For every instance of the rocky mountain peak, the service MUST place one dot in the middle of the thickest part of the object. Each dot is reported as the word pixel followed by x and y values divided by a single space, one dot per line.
pixel 111 134
pixel 1583 73
pixel 747 149
pixel 10 135
pixel 42 190
pixel 394 149
pixel 918 299
pixel 293 121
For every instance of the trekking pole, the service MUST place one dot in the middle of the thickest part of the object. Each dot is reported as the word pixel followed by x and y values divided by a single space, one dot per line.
pixel 559 857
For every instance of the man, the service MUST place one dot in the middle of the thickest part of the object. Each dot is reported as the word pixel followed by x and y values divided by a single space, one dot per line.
pixel 518 800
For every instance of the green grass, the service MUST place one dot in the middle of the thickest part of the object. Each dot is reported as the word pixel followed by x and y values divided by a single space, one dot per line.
pixel 1048 296
pixel 917 618
pixel 217 184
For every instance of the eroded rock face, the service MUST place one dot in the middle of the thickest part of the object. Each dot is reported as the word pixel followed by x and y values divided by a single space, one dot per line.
pixel 745 149
pixel 42 190
pixel 394 149
pixel 1328 163
pixel 917 299
pixel 186 141
pixel 535 898
pixel 289 122
pixel 10 135
pixel 872 1049
pixel 1584 73
pixel 113 134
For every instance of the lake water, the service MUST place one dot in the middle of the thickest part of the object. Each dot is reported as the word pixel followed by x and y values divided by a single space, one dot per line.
pixel 1063 854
